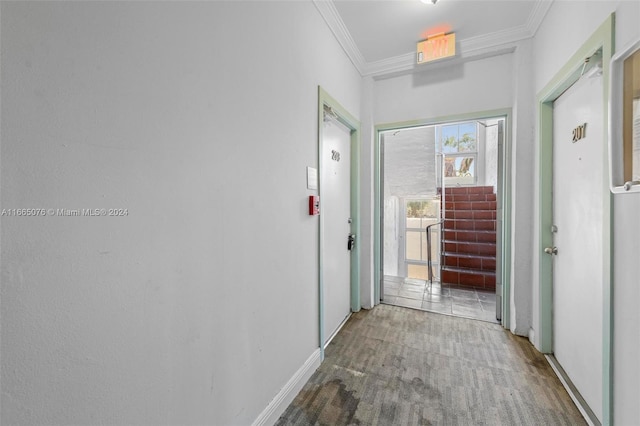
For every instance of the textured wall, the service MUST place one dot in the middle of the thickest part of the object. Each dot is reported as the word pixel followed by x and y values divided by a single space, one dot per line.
pixel 480 85
pixel 199 118
pixel 410 162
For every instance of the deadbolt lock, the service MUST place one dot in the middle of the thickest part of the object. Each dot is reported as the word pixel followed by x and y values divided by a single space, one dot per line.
pixel 351 243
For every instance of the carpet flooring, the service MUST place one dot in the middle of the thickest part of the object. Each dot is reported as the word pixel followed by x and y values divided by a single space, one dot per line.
pixel 397 366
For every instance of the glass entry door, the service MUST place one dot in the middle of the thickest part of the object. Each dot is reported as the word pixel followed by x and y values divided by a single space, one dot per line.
pixel 408 189
pixel 418 214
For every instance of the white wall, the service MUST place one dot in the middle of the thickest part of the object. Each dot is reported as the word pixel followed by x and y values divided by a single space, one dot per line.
pixel 626 299
pixel 522 188
pixel 473 86
pixel 366 194
pixel 566 27
pixel 391 237
pixel 199 118
pixel 568 24
pixel 409 163
pixel 490 164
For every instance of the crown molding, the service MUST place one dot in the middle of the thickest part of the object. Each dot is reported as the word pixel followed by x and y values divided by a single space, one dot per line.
pixel 390 65
pixel 493 44
pixel 483 46
pixel 335 23
pixel 498 38
pixel 405 64
pixel 540 9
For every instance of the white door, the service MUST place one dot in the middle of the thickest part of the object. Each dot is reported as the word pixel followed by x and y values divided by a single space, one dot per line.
pixel 335 210
pixel 578 216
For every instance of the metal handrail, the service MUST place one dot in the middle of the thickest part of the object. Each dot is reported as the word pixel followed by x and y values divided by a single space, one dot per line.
pixel 429 261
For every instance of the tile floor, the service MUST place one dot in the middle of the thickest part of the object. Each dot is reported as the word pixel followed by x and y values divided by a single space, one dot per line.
pixel 444 299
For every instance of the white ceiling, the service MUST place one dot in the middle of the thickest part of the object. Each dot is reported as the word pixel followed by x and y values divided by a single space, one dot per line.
pixel 380 36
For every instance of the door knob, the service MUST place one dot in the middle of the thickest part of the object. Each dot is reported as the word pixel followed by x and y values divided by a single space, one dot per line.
pixel 551 250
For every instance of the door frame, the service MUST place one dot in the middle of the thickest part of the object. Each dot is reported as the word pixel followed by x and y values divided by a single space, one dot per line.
pixel 505 178
pixel 344 117
pixel 602 38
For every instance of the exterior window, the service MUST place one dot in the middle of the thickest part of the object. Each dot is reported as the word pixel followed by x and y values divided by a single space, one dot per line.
pixel 459 143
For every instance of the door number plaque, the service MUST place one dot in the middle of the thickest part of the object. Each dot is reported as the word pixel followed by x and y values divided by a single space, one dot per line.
pixel 579 132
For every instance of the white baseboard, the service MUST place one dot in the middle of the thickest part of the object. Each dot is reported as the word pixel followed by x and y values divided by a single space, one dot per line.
pixel 578 400
pixel 337 330
pixel 282 400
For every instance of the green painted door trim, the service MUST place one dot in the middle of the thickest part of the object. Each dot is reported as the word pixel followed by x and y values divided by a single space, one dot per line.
pixel 506 222
pixel 506 178
pixel 354 125
pixel 603 38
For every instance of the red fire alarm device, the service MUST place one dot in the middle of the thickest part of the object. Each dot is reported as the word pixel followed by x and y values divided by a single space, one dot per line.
pixel 314 205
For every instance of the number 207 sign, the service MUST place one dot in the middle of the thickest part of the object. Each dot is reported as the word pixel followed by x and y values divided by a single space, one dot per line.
pixel 579 132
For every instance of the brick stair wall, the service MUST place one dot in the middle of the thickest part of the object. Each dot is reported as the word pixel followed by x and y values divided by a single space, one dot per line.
pixel 469 237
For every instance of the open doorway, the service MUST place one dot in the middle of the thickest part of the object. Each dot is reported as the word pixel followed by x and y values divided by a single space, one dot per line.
pixel 441 212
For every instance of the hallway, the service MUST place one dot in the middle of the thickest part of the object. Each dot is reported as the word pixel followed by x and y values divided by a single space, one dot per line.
pixel 160 263
pixel 397 366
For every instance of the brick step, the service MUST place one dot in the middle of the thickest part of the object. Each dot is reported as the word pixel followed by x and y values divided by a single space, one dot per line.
pixel 469 261
pixel 469 225
pixel 471 214
pixel 468 277
pixel 469 205
pixel 485 249
pixel 467 190
pixel 471 236
pixel 470 197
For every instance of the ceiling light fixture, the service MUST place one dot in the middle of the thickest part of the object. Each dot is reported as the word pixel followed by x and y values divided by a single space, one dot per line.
pixel 429 1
